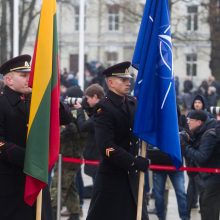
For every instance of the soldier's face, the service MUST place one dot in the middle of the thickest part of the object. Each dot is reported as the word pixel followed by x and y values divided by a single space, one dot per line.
pixel 120 86
pixel 18 82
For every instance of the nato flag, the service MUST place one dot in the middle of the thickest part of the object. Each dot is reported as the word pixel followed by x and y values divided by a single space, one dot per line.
pixel 156 116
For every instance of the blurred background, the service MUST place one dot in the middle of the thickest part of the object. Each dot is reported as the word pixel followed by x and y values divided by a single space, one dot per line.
pixel 110 32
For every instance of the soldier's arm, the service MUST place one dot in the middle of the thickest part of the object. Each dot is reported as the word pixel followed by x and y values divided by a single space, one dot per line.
pixel 104 133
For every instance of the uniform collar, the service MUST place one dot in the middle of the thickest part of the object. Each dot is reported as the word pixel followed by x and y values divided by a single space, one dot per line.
pixel 13 96
pixel 115 98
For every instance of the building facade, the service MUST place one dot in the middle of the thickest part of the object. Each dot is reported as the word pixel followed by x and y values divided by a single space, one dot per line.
pixel 111 29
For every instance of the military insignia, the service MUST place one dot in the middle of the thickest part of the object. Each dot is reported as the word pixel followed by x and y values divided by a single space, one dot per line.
pixel 108 151
pixel 99 110
pixel 127 71
pixel 2 144
pixel 26 64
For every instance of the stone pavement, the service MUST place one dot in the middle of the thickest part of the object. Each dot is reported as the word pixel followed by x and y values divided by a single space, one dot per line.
pixel 172 213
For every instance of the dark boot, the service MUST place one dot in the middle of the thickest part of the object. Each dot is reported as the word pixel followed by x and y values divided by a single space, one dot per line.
pixel 74 217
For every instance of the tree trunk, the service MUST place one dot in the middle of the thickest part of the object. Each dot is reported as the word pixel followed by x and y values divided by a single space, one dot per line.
pixel 11 22
pixel 3 36
pixel 214 21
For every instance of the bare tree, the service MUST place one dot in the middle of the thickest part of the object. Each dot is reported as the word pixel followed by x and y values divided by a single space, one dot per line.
pixel 3 31
pixel 27 13
pixel 214 22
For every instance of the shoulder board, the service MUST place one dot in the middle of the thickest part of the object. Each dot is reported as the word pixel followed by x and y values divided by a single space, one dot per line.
pixel 103 100
pixel 132 99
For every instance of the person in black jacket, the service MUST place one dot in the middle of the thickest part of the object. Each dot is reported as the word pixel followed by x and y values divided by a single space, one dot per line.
pixel 116 184
pixel 94 93
pixel 14 115
pixel 204 151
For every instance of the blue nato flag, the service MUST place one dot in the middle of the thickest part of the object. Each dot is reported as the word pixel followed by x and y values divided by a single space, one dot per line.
pixel 156 115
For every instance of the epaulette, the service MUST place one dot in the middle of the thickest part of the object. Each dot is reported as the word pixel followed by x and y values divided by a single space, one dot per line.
pixel 101 105
pixel 132 98
pixel 104 100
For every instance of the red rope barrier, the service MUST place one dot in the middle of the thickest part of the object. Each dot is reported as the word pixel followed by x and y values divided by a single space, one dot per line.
pixel 152 166
pixel 81 161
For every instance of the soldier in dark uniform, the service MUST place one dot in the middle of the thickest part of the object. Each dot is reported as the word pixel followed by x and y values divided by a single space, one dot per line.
pixel 116 185
pixel 14 114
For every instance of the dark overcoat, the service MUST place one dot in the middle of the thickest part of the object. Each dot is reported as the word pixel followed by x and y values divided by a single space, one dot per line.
pixel 116 185
pixel 91 151
pixel 14 114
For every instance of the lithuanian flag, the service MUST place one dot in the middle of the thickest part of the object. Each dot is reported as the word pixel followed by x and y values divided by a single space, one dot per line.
pixel 43 129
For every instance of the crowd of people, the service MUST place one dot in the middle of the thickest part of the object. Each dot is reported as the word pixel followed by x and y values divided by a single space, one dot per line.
pixel 96 124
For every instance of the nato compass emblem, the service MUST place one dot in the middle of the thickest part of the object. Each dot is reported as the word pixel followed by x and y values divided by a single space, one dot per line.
pixel 165 60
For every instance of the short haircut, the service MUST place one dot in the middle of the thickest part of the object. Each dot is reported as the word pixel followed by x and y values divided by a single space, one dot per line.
pixel 95 89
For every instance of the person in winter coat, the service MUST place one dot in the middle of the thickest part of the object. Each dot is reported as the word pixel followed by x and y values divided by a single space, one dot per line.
pixel 203 151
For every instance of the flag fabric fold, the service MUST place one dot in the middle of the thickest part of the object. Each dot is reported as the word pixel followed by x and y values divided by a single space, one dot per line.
pixel 156 116
pixel 43 137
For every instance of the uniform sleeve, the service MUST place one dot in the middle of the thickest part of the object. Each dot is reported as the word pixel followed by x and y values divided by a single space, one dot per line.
pixel 9 151
pixel 203 153
pixel 104 133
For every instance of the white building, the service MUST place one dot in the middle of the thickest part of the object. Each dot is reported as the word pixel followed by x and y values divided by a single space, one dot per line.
pixel 111 29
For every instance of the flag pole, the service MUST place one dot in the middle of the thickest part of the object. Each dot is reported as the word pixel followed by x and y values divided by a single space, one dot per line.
pixel 141 183
pixel 39 206
pixel 16 28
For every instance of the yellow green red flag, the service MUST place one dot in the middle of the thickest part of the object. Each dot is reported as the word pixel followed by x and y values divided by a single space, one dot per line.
pixel 43 129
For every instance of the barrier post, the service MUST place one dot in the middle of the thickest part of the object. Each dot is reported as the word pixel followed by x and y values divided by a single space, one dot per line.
pixel 59 176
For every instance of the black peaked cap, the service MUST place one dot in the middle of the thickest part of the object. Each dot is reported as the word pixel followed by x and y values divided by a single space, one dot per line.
pixel 118 70
pixel 17 64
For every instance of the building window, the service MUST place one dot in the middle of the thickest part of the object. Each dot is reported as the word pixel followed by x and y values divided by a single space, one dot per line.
pixel 192 18
pixel 191 64
pixel 113 17
pixel 111 58
pixel 76 18
pixel 76 9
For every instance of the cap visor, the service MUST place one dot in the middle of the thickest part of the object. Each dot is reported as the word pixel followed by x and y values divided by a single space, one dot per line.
pixel 23 70
pixel 125 77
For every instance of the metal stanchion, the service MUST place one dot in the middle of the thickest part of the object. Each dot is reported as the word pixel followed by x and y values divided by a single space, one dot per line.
pixel 59 176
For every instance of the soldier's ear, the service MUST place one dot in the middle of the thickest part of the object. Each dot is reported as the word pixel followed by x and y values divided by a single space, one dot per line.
pixel 110 81
pixel 8 79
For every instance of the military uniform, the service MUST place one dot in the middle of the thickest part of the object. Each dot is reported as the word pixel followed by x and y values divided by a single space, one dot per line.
pixel 14 114
pixel 116 185
pixel 13 130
